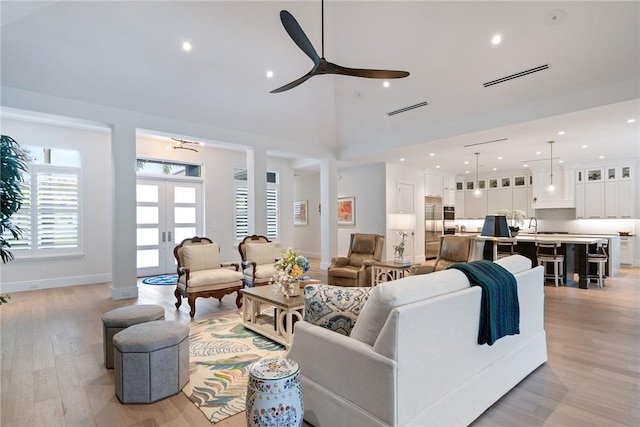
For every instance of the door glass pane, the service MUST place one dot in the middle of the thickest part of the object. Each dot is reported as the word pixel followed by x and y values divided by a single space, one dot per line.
pixel 147 214
pixel 184 195
pixel 147 236
pixel 148 258
pixel 182 233
pixel 184 215
pixel 147 193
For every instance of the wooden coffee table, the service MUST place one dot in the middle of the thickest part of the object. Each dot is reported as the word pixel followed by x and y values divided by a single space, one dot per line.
pixel 285 310
pixel 385 271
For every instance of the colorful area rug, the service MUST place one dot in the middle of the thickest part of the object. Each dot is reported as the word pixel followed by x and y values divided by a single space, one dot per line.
pixel 163 279
pixel 221 352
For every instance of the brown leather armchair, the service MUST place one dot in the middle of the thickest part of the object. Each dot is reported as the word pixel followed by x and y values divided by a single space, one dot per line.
pixel 453 249
pixel 354 269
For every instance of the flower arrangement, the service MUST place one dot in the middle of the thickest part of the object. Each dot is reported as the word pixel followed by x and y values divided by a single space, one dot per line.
pixel 516 216
pixel 289 267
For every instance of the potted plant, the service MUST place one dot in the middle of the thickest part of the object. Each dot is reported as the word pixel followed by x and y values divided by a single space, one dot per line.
pixel 14 163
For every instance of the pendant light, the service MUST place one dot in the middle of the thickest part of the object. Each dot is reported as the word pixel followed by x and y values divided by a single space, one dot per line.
pixel 551 189
pixel 477 193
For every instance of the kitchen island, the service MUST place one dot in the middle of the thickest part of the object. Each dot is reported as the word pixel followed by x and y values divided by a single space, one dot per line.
pixel 574 247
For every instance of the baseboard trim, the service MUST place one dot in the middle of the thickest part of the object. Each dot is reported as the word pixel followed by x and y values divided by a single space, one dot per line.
pixel 58 282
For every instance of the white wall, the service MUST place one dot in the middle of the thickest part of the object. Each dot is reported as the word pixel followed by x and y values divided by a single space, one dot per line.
pixel 94 265
pixel 368 185
pixel 306 238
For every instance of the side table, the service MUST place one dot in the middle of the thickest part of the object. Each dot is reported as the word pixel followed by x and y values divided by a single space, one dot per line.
pixel 385 271
pixel 274 394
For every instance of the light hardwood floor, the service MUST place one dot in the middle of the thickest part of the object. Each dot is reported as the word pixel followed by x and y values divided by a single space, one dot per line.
pixel 52 371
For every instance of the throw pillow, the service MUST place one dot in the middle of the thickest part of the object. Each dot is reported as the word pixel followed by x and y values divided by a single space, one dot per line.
pixel 201 257
pixel 262 253
pixel 334 307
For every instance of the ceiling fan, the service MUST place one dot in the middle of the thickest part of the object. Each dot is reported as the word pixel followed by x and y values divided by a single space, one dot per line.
pixel 320 64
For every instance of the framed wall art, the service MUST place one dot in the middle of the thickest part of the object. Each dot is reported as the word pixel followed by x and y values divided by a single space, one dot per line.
pixel 347 211
pixel 300 212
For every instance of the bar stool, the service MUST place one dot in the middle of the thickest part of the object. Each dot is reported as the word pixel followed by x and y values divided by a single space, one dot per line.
pixel 506 249
pixel 599 258
pixel 547 253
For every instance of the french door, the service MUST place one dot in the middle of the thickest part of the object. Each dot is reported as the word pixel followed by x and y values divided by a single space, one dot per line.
pixel 166 213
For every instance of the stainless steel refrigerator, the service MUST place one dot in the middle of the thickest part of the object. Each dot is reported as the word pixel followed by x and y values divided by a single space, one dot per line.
pixel 432 226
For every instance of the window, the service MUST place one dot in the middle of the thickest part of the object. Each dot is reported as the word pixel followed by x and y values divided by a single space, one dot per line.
pixel 242 204
pixel 50 213
pixel 159 167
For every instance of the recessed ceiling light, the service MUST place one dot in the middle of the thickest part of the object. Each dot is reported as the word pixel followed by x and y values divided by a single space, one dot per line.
pixel 500 158
pixel 495 169
pixel 561 132
pixel 186 46
pixel 437 166
pixel 538 152
pixel 402 159
pixel 584 146
pixel 631 121
pixel 525 166
pixel 496 39
pixel 269 74
pixel 432 154
pixel 466 163
pixel 466 171
pixel 385 84
pixel 601 157
pixel 560 161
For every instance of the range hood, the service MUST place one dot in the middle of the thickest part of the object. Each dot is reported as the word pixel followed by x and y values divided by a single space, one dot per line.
pixel 565 194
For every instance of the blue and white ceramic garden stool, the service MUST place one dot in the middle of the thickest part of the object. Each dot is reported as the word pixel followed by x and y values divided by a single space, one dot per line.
pixel 274 394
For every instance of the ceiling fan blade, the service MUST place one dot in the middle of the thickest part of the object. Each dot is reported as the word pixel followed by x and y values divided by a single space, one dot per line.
pixel 298 36
pixel 295 82
pixel 363 72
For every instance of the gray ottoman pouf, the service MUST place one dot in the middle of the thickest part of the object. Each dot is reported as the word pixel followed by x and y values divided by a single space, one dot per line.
pixel 151 361
pixel 121 318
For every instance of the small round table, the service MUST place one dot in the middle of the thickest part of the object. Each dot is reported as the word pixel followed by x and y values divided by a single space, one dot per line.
pixel 274 394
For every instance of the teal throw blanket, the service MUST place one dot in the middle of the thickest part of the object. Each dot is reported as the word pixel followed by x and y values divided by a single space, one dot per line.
pixel 499 309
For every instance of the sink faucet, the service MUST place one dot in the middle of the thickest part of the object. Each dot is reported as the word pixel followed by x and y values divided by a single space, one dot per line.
pixel 535 226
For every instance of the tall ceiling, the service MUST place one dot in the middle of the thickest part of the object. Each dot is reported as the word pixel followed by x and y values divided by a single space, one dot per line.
pixel 129 55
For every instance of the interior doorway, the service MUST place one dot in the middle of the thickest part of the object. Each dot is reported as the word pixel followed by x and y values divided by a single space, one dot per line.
pixel 167 212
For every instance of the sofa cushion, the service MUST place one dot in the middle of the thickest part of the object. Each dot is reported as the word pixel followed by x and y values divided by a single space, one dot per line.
pixel 201 257
pixel 386 296
pixel 262 253
pixel 334 307
pixel 515 264
pixel 218 276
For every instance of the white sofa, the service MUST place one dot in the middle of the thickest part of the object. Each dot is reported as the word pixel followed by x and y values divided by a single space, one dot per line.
pixel 412 358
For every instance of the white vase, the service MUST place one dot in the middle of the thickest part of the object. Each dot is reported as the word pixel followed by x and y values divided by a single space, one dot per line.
pixel 274 394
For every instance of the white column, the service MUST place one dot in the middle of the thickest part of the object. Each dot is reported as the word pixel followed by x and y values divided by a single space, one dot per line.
pixel 123 246
pixel 257 187
pixel 329 216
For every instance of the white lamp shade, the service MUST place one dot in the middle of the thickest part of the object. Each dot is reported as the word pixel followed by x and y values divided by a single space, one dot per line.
pixel 402 221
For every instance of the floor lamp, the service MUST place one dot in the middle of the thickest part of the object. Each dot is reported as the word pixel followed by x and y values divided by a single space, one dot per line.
pixel 403 224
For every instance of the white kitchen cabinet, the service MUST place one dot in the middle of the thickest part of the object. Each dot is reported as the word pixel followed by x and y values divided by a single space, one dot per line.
pixel 580 214
pixel 625 199
pixel 594 199
pixel 611 199
pixel 522 200
pixel 449 191
pixel 460 207
pixel 626 251
pixel 475 208
pixel 433 185
pixel 499 199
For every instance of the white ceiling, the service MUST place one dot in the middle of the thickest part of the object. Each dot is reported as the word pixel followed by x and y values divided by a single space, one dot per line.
pixel 128 55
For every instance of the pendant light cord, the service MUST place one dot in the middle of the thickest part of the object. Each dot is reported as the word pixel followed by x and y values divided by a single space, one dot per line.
pixel 551 164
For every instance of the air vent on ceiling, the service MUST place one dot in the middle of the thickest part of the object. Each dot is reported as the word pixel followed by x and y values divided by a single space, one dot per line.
pixel 405 109
pixel 516 75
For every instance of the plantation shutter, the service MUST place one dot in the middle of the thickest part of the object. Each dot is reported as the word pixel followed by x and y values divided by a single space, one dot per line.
pixel 272 213
pixel 22 218
pixel 242 212
pixel 57 210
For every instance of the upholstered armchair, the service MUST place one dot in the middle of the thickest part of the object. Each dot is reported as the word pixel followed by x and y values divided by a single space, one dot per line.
pixel 200 273
pixel 355 268
pixel 453 249
pixel 258 255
